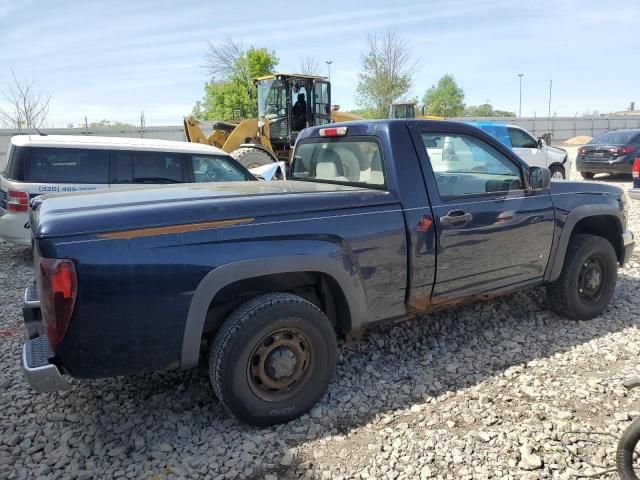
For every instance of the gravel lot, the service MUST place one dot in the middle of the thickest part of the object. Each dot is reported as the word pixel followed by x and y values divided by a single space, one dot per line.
pixel 486 391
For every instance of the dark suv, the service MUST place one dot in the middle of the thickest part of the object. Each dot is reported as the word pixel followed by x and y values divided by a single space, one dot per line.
pixel 609 152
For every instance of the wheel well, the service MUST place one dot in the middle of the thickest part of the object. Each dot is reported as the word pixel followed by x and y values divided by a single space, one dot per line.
pixel 557 164
pixel 605 226
pixel 316 287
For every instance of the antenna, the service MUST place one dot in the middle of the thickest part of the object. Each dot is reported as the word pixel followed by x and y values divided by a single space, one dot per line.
pixel 142 124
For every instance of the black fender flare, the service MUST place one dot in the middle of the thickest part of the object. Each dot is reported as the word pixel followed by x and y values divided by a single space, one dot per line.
pixel 225 275
pixel 577 214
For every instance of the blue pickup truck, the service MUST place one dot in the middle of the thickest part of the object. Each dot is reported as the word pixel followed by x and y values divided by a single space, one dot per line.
pixel 381 220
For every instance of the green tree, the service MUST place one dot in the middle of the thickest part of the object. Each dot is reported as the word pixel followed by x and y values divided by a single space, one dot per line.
pixel 485 110
pixel 446 99
pixel 386 72
pixel 108 123
pixel 229 94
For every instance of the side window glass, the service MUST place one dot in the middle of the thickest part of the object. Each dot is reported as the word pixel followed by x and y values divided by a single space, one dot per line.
pixel 464 165
pixel 215 169
pixel 157 167
pixel 520 139
pixel 68 165
pixel 121 167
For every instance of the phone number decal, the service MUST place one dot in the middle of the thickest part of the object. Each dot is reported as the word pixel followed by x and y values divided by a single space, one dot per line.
pixel 57 188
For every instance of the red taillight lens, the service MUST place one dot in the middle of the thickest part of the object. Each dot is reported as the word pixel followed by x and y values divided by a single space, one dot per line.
pixel 628 149
pixel 636 168
pixel 333 132
pixel 58 288
pixel 17 201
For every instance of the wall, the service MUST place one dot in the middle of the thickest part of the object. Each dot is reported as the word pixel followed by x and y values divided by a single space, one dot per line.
pixel 161 133
pixel 563 128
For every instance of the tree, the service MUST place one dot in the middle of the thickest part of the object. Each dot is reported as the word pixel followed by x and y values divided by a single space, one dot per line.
pixel 27 108
pixel 386 72
pixel 309 66
pixel 446 99
pixel 227 95
pixel 485 110
pixel 104 123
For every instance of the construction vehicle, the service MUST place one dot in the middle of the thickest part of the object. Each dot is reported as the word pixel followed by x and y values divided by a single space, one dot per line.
pixel 287 103
pixel 408 110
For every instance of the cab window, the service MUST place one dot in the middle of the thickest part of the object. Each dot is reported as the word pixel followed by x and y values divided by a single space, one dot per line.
pixel 521 139
pixel 339 160
pixel 465 165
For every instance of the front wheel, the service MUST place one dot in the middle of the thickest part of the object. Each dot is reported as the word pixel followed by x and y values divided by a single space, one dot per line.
pixel 250 157
pixel 588 278
pixel 557 172
pixel 625 451
pixel 272 359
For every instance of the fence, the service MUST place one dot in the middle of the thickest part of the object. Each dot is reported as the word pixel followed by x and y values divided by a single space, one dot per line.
pixel 563 128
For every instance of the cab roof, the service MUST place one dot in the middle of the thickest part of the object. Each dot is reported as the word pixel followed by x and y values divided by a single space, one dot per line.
pixel 299 75
pixel 113 143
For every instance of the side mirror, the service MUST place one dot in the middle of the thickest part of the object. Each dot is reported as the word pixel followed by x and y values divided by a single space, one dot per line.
pixel 539 178
pixel 540 142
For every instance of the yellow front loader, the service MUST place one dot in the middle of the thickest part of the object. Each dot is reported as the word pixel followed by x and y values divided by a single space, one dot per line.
pixel 408 110
pixel 287 103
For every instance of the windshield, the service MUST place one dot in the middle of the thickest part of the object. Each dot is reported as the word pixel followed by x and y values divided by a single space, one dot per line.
pixel 272 99
pixel 343 160
pixel 614 138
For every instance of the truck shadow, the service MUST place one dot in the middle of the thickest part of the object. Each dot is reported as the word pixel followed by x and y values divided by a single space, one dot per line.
pixel 392 368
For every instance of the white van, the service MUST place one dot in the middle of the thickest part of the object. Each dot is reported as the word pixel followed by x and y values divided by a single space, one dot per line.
pixel 39 164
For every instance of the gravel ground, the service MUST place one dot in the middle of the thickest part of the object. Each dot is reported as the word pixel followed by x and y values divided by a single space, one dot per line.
pixel 492 390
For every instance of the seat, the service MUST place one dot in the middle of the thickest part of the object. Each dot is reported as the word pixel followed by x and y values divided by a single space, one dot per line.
pixel 376 177
pixel 329 167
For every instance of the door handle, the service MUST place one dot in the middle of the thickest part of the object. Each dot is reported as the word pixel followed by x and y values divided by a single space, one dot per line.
pixel 456 217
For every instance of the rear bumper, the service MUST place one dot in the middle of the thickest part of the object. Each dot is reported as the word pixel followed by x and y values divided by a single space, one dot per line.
pixel 628 243
pixel 12 228
pixel 603 167
pixel 42 375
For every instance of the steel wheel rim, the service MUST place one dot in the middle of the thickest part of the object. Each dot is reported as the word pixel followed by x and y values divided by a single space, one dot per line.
pixel 280 364
pixel 591 279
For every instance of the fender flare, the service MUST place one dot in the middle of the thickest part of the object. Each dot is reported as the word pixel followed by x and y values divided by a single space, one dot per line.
pixel 579 213
pixel 225 275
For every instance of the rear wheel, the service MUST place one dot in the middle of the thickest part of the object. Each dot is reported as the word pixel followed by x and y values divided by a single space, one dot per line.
pixel 250 157
pixel 587 175
pixel 557 172
pixel 625 451
pixel 272 359
pixel 588 278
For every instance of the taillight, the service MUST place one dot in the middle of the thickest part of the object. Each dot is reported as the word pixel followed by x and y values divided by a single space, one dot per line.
pixel 628 149
pixel 58 288
pixel 17 201
pixel 636 168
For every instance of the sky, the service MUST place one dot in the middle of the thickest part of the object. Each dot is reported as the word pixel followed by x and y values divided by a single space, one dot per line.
pixel 113 59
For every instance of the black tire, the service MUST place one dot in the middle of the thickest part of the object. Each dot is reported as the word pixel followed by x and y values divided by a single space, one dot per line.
pixel 250 157
pixel 626 447
pixel 557 171
pixel 588 278
pixel 587 175
pixel 246 349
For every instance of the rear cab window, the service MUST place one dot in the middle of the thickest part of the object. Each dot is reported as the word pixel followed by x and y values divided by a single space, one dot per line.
pixel 345 160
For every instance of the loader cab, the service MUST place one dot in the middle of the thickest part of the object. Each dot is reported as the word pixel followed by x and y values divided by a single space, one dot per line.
pixel 402 110
pixel 290 103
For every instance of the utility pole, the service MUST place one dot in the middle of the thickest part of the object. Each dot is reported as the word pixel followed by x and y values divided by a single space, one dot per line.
pixel 520 107
pixel 329 62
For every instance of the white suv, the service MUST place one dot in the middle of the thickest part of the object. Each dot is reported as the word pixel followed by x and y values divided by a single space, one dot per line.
pixel 534 152
pixel 66 164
